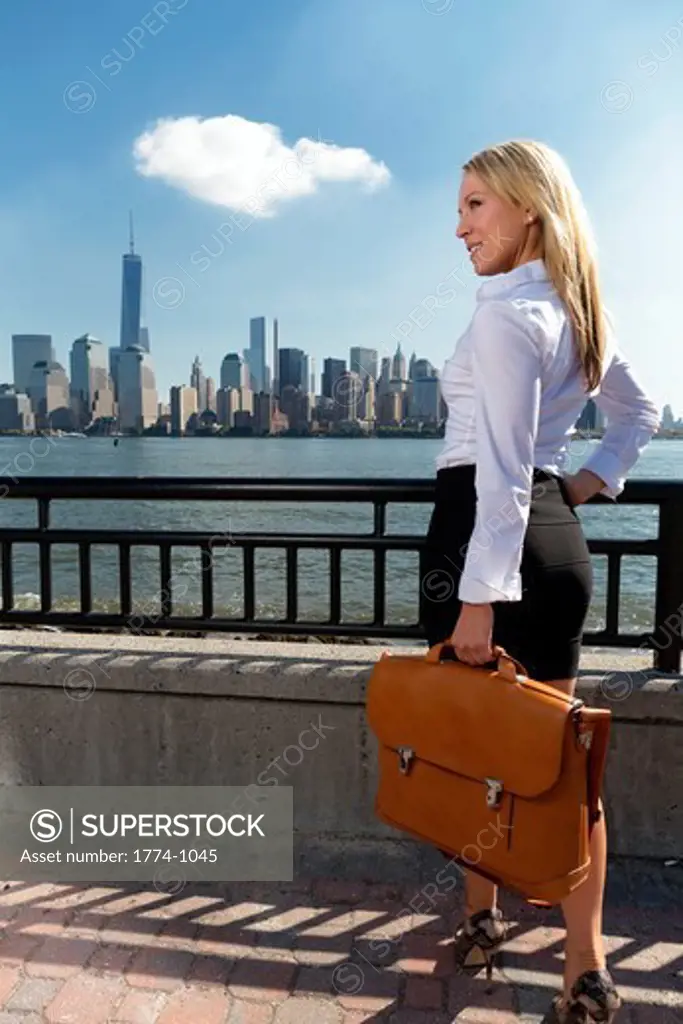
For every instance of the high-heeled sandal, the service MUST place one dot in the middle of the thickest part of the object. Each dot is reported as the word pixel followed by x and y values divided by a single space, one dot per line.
pixel 478 940
pixel 593 1000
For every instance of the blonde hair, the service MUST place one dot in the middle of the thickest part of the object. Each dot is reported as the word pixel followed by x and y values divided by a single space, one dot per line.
pixel 531 174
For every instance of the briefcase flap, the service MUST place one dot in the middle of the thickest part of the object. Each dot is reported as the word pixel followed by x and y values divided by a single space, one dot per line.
pixel 475 722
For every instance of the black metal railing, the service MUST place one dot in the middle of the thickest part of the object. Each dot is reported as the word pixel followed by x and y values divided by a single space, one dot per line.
pixel 667 548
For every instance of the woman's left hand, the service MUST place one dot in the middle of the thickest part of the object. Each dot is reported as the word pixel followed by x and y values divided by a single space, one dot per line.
pixel 473 634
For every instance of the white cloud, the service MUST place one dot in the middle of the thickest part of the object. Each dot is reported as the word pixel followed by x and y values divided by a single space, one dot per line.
pixel 245 166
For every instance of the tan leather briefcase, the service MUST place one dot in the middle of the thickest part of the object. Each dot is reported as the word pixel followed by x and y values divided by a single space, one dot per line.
pixel 502 772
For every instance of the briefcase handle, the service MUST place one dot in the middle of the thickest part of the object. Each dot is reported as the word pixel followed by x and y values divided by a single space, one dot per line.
pixel 508 666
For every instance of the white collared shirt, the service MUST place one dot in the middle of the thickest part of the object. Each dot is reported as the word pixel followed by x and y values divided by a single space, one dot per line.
pixel 514 389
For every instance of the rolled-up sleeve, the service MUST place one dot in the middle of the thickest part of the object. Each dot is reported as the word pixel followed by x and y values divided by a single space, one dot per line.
pixel 507 372
pixel 632 419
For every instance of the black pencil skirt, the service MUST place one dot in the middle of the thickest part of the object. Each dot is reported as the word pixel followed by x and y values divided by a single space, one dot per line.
pixel 544 629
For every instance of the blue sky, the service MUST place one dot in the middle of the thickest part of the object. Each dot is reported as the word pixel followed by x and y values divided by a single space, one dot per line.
pixel 406 89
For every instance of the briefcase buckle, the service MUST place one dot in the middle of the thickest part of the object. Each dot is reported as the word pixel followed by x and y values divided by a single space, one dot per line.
pixel 494 792
pixel 405 759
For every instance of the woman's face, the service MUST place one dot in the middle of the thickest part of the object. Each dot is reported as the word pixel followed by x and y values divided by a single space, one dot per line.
pixel 497 234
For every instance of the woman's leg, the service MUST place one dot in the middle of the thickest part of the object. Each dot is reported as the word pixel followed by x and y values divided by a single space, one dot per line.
pixel 480 894
pixel 582 909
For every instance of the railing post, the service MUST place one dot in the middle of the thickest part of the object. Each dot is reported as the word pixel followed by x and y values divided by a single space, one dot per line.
pixel 669 599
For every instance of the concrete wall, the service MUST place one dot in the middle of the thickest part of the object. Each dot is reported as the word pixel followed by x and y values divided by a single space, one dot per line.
pixel 108 710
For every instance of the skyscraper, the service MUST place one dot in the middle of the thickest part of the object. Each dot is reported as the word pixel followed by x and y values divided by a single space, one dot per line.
pixel 211 394
pixel 234 371
pixel 137 390
pixel 292 371
pixel 333 369
pixel 183 406
pixel 48 390
pixel 398 365
pixel 131 295
pixel 27 350
pixel 276 359
pixel 363 361
pixel 15 411
pixel 424 404
pixel 256 356
pixel 198 382
pixel 89 376
pixel 591 417
pixel 114 360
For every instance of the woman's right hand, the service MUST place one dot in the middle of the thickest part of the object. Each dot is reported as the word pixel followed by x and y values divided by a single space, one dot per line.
pixel 582 485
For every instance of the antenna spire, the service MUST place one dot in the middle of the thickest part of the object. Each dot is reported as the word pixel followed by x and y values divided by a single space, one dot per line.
pixel 132 238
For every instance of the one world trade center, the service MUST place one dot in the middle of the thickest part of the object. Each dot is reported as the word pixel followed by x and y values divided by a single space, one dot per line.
pixel 131 294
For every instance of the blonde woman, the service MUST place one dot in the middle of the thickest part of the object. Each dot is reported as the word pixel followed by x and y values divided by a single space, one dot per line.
pixel 503 526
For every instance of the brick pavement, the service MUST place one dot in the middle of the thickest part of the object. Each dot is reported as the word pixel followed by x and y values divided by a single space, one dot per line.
pixel 311 953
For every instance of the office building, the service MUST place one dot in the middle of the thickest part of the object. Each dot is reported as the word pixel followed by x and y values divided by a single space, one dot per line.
pixel 385 376
pixel 244 421
pixel 183 408
pixel 137 390
pixel 390 409
pixel 424 403
pixel 48 391
pixel 27 350
pixel 275 383
pixel 295 404
pixel 210 394
pixel 668 421
pixel 246 399
pixel 367 407
pixel 144 338
pixel 90 386
pixel 348 396
pixel 398 365
pixel 292 371
pixel 305 372
pixel 16 413
pixel 591 417
pixel 422 368
pixel 256 353
pixel 234 371
pixel 333 369
pixel 227 404
pixel 411 367
pixel 114 359
pixel 263 414
pixel 198 382
pixel 131 295
pixel 363 361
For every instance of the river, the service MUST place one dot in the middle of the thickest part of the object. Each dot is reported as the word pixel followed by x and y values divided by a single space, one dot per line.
pixel 284 458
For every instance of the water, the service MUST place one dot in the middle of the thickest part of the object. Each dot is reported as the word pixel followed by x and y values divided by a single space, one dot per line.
pixel 286 458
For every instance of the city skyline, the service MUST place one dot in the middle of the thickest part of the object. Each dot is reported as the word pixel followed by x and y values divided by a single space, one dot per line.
pixel 248 368
pixel 118 384
pixel 263 377
pixel 404 394
pixel 353 227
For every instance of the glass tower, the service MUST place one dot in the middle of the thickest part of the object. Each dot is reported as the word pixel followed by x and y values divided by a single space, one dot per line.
pixel 131 295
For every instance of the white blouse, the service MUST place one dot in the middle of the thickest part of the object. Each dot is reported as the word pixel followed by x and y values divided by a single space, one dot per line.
pixel 514 390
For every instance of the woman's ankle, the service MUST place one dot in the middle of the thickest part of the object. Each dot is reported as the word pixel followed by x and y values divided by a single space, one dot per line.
pixel 577 964
pixel 478 908
pixel 480 894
